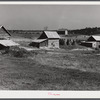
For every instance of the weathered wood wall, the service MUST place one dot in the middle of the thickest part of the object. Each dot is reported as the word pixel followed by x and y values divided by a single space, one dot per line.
pixel 44 44
pixel 53 43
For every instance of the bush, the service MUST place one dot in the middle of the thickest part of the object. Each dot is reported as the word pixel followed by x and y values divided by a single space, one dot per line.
pixel 20 52
pixel 67 43
pixel 61 41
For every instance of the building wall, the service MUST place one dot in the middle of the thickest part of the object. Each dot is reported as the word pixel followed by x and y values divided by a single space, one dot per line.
pixel 43 44
pixel 97 44
pixel 86 44
pixel 90 44
pixel 94 45
pixel 53 43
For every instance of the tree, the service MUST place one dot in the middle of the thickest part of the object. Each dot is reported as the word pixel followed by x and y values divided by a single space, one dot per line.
pixel 67 42
pixel 62 41
pixel 73 43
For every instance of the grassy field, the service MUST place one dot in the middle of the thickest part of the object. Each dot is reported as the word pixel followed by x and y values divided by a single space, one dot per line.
pixel 60 69
pixel 67 68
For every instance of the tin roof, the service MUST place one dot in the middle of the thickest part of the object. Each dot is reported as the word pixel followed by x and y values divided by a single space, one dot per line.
pixel 97 38
pixel 8 43
pixel 38 40
pixel 51 34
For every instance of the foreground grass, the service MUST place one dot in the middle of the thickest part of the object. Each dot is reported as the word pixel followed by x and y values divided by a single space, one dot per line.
pixel 51 70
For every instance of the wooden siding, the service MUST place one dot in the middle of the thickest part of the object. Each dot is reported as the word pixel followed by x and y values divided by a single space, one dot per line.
pixel 87 44
pixel 53 43
pixel 43 44
pixel 95 45
pixel 90 44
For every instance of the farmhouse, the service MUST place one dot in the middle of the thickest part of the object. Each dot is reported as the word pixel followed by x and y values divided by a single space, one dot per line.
pixel 49 39
pixel 93 41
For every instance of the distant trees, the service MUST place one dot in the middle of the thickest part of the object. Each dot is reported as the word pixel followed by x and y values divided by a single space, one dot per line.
pixel 85 31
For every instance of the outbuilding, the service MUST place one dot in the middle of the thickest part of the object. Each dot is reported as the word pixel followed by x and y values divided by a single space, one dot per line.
pixel 93 41
pixel 49 39
pixel 62 32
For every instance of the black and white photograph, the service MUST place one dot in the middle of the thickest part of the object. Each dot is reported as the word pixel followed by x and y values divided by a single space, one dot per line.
pixel 49 47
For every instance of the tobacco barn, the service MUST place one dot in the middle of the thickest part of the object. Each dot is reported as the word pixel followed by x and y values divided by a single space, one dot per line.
pixel 49 39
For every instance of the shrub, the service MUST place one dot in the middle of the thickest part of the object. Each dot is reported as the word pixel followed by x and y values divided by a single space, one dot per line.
pixel 20 52
pixel 67 43
pixel 61 41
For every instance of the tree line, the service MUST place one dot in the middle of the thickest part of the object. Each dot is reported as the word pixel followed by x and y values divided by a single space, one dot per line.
pixel 86 31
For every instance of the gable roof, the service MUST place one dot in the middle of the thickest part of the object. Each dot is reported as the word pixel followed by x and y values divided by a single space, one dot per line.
pixel 51 34
pixel 5 30
pixel 97 38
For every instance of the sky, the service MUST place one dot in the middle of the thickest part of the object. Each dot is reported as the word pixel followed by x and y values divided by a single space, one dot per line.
pixel 36 17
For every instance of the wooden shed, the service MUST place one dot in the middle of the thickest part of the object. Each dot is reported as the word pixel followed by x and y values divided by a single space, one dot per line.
pixel 93 41
pixel 49 39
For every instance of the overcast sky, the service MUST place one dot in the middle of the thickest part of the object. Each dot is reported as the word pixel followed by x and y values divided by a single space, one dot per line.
pixel 36 17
